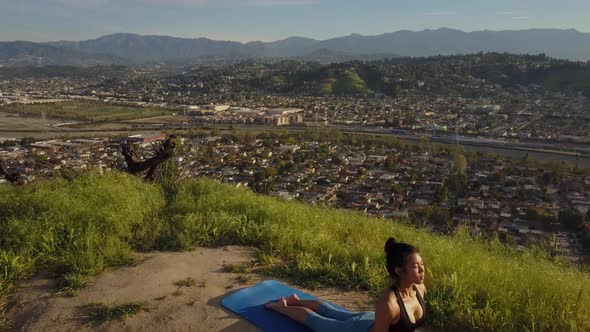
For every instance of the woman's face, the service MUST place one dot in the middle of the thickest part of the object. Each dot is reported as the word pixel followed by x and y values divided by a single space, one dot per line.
pixel 414 270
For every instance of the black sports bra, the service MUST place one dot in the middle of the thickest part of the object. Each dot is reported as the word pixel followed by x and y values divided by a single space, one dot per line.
pixel 404 324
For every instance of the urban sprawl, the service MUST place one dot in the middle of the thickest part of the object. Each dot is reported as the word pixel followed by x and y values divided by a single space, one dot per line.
pixel 300 137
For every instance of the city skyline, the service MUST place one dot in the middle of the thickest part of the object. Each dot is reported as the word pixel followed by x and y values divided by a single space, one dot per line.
pixel 270 20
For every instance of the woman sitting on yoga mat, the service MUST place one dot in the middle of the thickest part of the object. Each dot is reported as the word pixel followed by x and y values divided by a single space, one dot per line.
pixel 400 308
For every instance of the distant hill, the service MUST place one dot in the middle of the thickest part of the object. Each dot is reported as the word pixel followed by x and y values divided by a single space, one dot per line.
pixel 326 56
pixel 25 54
pixel 569 44
pixel 437 75
pixel 154 48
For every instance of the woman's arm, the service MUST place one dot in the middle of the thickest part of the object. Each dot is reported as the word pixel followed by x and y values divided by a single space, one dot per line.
pixel 386 313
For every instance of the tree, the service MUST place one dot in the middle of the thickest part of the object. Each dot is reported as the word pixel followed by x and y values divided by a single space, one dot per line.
pixel 456 183
pixel 419 215
pixel 259 175
pixel 26 142
pixel 215 131
pixel 397 189
pixel 442 194
pixel 290 141
pixel 336 159
pixel 586 243
pixel 571 218
pixel 361 171
pixel 440 218
pixel 538 214
pixel 270 172
pixel 459 162
pixel 288 167
pixel 396 91
pixel 390 162
pixel 262 187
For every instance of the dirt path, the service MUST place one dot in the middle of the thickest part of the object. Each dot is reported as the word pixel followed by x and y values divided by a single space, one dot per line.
pixel 36 308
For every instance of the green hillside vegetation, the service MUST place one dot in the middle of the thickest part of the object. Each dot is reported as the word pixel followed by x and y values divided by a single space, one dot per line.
pixel 441 75
pixel 326 87
pixel 349 83
pixel 93 73
pixel 85 111
pixel 77 228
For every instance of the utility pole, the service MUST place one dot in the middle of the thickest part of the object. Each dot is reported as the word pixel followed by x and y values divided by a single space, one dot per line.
pixel 45 130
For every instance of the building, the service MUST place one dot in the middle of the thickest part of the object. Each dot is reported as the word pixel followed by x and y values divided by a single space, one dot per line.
pixel 214 108
pixel 146 138
pixel 283 116
pixel 202 110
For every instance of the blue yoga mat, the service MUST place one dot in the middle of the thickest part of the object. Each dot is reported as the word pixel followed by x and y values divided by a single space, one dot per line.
pixel 249 303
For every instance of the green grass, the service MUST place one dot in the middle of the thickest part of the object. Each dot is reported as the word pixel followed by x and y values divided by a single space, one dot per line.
pixel 244 279
pixel 69 284
pixel 5 321
pixel 350 82
pixel 98 313
pixel 236 268
pixel 86 111
pixel 82 226
pixel 188 282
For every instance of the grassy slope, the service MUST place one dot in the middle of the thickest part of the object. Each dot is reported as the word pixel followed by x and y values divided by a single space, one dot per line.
pixel 75 110
pixel 350 82
pixel 346 83
pixel 80 227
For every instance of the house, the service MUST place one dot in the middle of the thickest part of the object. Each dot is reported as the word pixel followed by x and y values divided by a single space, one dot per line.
pixel 422 202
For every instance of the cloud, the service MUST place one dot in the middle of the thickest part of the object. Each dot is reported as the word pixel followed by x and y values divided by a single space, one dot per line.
pixel 505 13
pixel 439 13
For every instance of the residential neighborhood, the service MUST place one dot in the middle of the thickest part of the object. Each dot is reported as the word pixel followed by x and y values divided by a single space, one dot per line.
pixel 520 202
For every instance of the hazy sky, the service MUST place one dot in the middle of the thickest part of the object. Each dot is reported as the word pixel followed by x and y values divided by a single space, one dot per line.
pixel 267 20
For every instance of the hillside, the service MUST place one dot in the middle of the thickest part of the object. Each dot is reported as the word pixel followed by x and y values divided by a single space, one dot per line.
pixel 569 44
pixel 132 48
pixel 77 228
pixel 96 72
pixel 440 76
pixel 153 48
pixel 25 54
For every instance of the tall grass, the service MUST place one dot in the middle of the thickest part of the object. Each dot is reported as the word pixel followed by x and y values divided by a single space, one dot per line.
pixel 472 285
pixel 82 226
pixel 75 227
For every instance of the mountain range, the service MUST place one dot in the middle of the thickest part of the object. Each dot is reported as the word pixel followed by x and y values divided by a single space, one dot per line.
pixel 126 48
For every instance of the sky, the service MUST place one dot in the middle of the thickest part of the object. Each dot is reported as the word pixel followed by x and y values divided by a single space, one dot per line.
pixel 270 20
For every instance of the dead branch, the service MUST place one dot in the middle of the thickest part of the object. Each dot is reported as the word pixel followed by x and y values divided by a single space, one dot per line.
pixel 149 169
pixel 13 178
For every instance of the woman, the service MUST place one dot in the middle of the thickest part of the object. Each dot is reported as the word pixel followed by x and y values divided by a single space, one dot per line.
pixel 400 308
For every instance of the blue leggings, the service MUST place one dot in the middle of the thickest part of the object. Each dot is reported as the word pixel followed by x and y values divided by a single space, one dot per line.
pixel 329 319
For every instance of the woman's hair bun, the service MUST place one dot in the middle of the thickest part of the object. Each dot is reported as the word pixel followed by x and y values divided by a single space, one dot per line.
pixel 390 245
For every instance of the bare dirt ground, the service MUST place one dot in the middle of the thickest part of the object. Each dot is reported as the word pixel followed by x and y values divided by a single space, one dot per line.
pixel 36 307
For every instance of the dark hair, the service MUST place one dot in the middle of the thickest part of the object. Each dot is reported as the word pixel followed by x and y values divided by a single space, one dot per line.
pixel 396 254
